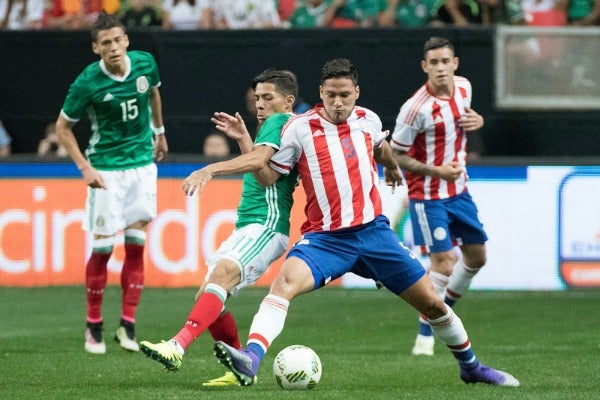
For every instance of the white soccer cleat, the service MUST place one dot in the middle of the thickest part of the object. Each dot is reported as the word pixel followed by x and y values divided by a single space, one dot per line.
pixel 423 346
pixel 126 342
pixel 94 345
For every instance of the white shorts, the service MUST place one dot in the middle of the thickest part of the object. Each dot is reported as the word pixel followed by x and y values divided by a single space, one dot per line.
pixel 130 196
pixel 253 248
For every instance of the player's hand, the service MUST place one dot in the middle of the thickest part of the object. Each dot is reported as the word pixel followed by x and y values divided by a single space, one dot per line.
pixel 160 148
pixel 196 181
pixel 233 126
pixel 92 177
pixel 470 120
pixel 392 177
pixel 450 172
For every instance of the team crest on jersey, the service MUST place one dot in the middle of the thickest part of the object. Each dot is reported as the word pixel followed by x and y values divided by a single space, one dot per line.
pixel 100 221
pixel 142 84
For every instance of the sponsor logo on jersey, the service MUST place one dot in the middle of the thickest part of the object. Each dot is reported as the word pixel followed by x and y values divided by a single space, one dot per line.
pixel 108 97
pixel 141 84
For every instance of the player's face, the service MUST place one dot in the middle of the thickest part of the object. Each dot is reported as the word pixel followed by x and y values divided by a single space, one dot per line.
pixel 269 101
pixel 111 45
pixel 339 97
pixel 439 65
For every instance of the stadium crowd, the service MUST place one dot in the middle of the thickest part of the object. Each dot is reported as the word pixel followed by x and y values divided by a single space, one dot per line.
pixel 281 14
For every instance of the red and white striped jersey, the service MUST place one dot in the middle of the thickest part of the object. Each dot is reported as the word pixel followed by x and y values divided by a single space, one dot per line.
pixel 336 165
pixel 427 129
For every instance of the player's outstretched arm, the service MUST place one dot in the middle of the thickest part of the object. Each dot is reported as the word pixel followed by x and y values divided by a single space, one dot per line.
pixel 249 162
pixel 235 128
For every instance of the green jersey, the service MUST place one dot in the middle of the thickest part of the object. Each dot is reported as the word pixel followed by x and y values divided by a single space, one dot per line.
pixel 307 16
pixel 269 206
pixel 119 112
pixel 416 12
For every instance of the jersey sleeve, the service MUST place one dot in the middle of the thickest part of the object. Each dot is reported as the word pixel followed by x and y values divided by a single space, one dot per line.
pixel 379 134
pixel 270 132
pixel 405 130
pixel 468 92
pixel 77 100
pixel 290 149
pixel 154 74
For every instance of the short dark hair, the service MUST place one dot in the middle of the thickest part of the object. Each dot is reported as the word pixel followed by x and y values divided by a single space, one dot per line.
pixel 436 42
pixel 104 22
pixel 339 68
pixel 285 81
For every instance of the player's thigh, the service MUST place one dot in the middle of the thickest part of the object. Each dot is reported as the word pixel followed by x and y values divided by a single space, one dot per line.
pixel 466 225
pixel 328 255
pixel 252 248
pixel 139 194
pixel 430 222
pixel 104 208
pixel 387 260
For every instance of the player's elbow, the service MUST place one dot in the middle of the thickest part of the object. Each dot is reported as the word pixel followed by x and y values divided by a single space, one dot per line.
pixel 258 163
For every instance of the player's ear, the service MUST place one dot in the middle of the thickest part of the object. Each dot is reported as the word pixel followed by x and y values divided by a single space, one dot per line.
pixel 321 92
pixel 95 48
pixel 290 99
pixel 423 65
pixel 455 63
pixel 357 91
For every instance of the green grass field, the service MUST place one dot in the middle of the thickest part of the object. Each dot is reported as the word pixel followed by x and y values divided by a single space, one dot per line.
pixel 549 340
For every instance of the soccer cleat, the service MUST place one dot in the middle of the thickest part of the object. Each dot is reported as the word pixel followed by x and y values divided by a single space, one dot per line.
pixel 423 346
pixel 163 352
pixel 125 336
pixel 242 363
pixel 485 374
pixel 93 339
pixel 228 379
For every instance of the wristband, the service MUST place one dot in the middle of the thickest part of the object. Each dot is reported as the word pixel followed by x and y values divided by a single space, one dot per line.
pixel 159 131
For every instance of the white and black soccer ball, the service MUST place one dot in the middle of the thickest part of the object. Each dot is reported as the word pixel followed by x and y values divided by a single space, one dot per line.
pixel 297 367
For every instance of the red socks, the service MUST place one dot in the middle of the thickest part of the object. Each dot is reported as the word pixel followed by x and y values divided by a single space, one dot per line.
pixel 95 282
pixel 132 279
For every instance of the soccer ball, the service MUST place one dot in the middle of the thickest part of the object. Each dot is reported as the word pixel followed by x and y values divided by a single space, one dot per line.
pixel 297 367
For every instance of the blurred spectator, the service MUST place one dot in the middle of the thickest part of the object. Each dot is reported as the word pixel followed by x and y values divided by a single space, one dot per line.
pixel 315 14
pixel 50 146
pixel 246 14
pixel 216 145
pixel 5 141
pixel 141 13
pixel 410 13
pixel 187 14
pixel 300 106
pixel 509 12
pixel 467 12
pixel 21 14
pixel 360 13
pixel 285 8
pixel 584 12
pixel 76 14
pixel 545 12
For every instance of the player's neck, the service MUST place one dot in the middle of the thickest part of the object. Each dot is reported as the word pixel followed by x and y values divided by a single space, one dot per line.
pixel 117 70
pixel 443 91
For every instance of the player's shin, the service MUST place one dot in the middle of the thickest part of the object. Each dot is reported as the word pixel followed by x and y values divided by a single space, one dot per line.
pixel 267 324
pixel 449 329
